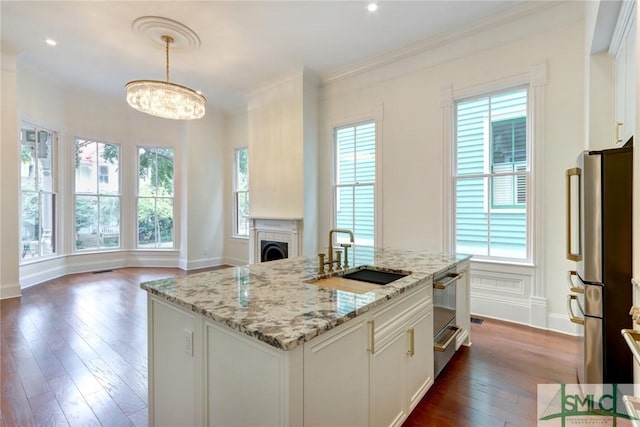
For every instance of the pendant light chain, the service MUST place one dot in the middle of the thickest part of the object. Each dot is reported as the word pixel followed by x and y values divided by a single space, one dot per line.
pixel 167 40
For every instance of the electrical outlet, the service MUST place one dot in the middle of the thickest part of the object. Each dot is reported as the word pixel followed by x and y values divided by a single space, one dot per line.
pixel 188 342
pixel 206 252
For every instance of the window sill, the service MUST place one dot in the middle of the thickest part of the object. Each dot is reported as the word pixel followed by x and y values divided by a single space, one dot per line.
pixel 240 237
pixel 503 262
pixel 36 260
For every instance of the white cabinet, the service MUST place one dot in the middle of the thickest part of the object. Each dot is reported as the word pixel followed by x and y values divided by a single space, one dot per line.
pixel 402 361
pixel 249 383
pixel 623 46
pixel 369 371
pixel 336 376
pixel 420 361
pixel 172 363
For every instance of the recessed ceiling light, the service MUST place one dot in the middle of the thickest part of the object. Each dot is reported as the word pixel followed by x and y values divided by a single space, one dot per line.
pixel 372 7
pixel 51 42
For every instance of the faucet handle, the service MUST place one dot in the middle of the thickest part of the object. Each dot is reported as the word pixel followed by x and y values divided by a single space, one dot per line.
pixel 338 259
pixel 320 263
pixel 346 247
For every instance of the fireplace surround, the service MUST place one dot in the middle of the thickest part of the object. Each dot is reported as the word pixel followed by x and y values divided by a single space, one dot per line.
pixel 277 237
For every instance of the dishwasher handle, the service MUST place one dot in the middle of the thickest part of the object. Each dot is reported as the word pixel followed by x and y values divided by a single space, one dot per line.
pixel 451 278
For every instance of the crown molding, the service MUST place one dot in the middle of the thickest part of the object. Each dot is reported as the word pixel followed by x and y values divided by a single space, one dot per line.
pixel 529 8
pixel 623 23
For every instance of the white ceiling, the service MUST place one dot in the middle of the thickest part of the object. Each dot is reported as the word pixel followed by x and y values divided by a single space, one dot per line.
pixel 243 43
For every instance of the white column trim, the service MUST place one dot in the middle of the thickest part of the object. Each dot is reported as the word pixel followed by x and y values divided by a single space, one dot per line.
pixel 446 104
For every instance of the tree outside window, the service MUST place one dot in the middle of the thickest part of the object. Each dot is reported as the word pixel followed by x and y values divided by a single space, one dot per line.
pixel 241 193
pixel 38 180
pixel 155 207
pixel 97 195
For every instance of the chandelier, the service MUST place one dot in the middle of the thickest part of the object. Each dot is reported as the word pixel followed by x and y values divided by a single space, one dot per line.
pixel 163 98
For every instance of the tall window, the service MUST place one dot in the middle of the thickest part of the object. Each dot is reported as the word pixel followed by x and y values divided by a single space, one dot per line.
pixel 38 176
pixel 97 195
pixel 155 205
pixel 241 193
pixel 491 176
pixel 354 183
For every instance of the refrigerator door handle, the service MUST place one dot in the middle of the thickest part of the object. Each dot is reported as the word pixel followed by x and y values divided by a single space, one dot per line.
pixel 572 317
pixel 573 287
pixel 572 256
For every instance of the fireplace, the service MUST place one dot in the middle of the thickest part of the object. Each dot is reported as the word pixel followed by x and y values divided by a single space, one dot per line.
pixel 271 239
pixel 271 250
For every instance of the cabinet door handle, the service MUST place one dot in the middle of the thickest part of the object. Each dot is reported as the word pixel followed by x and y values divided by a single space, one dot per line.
pixel 372 336
pixel 411 351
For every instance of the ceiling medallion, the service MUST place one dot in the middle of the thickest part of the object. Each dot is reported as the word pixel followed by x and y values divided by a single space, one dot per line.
pixel 163 98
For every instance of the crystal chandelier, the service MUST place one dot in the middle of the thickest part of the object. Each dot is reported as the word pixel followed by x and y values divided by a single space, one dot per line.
pixel 165 99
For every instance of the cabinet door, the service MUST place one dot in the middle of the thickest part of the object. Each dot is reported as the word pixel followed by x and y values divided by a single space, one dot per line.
pixel 620 92
pixel 171 363
pixel 388 382
pixel 420 357
pixel 630 85
pixel 336 377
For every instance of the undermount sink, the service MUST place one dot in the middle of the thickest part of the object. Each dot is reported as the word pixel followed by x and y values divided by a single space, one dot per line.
pixel 378 277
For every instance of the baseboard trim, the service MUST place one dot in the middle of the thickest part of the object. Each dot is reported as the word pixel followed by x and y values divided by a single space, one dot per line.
pixel 203 263
pixel 53 268
pixel 510 310
pixel 236 262
pixel 11 290
pixel 561 323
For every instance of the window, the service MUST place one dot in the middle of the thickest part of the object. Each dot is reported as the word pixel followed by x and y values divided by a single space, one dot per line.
pixel 354 184
pixel 97 195
pixel 38 177
pixel 241 193
pixel 492 176
pixel 155 205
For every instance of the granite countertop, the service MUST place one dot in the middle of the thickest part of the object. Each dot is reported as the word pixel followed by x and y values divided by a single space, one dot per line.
pixel 275 303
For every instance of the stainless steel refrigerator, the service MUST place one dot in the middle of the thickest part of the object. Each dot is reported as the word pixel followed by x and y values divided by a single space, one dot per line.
pixel 599 217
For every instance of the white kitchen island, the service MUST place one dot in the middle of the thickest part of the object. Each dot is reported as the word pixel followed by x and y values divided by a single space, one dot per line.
pixel 262 345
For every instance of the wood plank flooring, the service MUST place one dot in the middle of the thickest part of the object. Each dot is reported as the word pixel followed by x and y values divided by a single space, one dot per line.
pixel 73 352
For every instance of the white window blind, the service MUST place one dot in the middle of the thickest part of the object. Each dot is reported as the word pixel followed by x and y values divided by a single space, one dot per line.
pixel 355 180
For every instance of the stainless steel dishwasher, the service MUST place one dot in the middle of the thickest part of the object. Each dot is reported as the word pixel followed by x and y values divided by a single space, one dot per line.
pixel 445 329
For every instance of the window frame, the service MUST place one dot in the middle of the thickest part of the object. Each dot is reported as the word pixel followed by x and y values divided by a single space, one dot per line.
pixel 375 118
pixel 236 192
pixel 39 194
pixel 488 92
pixel 101 247
pixel 158 245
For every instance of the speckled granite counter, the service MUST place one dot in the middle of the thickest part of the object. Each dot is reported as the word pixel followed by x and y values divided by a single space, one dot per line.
pixel 274 303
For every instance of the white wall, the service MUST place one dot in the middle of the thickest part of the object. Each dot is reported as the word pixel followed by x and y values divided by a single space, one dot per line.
pixel 413 162
pixel 203 195
pixel 236 249
pixel 9 155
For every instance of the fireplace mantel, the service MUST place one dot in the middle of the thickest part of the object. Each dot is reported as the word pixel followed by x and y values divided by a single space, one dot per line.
pixel 288 230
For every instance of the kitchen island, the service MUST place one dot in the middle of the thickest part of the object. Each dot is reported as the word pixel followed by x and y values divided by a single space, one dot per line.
pixel 267 344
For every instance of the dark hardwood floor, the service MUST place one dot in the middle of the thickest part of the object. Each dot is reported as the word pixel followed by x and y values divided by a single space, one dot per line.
pixel 73 352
